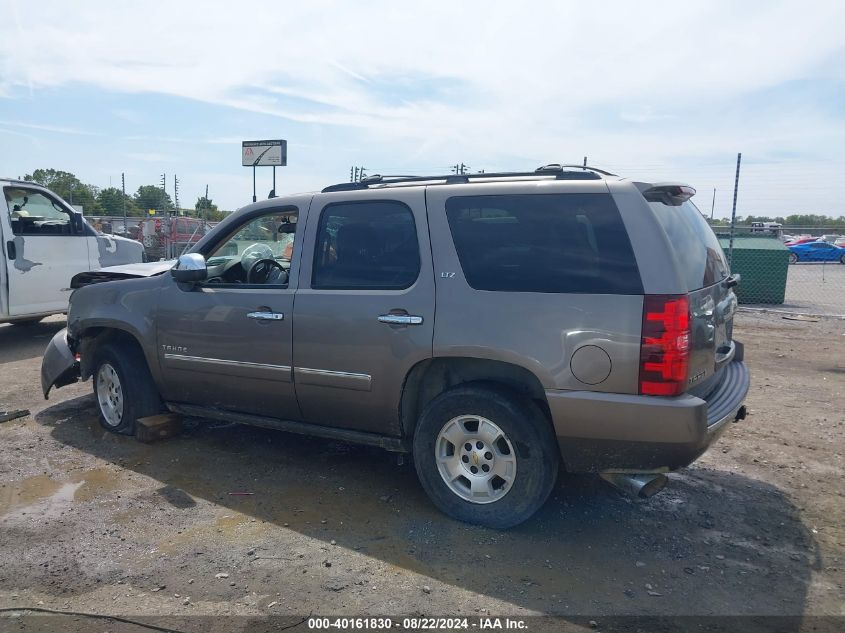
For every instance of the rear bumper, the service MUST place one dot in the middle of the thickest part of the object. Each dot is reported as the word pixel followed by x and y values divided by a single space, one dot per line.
pixel 59 366
pixel 601 432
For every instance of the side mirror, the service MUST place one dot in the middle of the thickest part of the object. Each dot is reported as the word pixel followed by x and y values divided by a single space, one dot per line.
pixel 77 222
pixel 189 268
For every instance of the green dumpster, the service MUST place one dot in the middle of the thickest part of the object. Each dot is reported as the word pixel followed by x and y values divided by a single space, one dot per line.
pixel 763 263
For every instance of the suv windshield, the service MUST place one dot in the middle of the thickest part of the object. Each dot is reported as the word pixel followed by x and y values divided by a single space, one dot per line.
pixel 700 258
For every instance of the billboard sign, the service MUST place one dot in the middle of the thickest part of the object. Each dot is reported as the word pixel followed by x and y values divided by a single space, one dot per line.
pixel 264 153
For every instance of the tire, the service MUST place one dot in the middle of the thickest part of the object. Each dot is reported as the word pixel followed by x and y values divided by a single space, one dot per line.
pixel 842 259
pixel 123 387
pixel 26 322
pixel 793 258
pixel 525 450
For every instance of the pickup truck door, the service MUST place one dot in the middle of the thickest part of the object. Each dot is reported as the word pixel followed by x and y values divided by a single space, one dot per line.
pixel 227 344
pixel 364 312
pixel 45 245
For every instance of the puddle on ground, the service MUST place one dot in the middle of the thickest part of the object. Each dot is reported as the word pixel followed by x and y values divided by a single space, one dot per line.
pixel 49 495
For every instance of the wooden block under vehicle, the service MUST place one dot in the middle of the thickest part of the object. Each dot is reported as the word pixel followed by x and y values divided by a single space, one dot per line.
pixel 157 427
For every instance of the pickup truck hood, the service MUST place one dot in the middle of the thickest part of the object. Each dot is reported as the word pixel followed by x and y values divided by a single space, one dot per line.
pixel 125 271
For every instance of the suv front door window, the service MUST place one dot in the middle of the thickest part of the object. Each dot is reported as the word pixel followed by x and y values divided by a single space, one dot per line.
pixel 256 253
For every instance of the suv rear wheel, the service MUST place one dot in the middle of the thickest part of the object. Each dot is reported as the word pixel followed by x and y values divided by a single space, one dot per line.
pixel 123 387
pixel 485 455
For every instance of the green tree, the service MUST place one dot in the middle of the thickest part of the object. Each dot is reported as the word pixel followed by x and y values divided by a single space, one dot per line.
pixel 205 206
pixel 152 197
pixel 111 202
pixel 812 219
pixel 69 187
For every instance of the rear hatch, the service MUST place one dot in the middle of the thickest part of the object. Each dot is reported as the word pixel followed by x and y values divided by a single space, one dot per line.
pixel 712 302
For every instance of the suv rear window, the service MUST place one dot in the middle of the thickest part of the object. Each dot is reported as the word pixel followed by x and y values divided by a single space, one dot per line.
pixel 699 254
pixel 573 243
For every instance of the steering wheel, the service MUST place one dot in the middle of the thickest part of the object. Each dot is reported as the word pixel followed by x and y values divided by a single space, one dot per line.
pixel 261 270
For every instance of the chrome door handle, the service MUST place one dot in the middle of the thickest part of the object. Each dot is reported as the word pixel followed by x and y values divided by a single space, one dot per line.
pixel 400 319
pixel 266 316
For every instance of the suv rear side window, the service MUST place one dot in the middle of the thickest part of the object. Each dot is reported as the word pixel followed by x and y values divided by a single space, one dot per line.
pixel 366 246
pixel 699 254
pixel 543 243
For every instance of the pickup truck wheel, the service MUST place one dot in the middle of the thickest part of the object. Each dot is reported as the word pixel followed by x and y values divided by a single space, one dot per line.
pixel 484 456
pixel 123 387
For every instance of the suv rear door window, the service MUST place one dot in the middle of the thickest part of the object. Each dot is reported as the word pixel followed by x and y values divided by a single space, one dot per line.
pixel 564 243
pixel 366 246
pixel 700 257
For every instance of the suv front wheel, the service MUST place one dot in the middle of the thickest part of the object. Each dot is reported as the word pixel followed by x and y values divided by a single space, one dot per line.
pixel 123 387
pixel 485 455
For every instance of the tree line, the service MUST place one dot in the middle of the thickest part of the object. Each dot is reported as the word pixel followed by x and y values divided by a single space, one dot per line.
pixel 110 201
pixel 797 219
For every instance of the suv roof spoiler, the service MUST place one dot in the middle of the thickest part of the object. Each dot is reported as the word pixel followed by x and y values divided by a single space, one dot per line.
pixel 554 170
pixel 673 194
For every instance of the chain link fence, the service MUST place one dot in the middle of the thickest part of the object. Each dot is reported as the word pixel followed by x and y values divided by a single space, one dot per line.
pixel 793 269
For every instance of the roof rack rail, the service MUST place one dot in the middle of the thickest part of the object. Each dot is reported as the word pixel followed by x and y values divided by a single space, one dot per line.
pixel 560 172
pixel 589 168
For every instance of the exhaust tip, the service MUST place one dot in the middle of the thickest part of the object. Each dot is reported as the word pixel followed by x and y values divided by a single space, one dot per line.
pixel 641 486
pixel 653 486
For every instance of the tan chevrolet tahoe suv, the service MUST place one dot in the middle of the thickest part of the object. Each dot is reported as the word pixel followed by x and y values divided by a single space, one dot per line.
pixel 498 327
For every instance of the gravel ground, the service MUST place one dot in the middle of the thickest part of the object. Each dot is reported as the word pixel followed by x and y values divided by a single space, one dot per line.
pixel 815 287
pixel 95 522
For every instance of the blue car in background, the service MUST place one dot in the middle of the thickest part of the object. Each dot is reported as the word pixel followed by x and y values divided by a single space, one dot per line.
pixel 816 252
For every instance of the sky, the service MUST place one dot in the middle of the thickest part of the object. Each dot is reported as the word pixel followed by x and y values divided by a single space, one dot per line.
pixel 650 90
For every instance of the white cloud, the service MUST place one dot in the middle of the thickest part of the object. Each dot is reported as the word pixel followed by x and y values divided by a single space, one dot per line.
pixel 47 128
pixel 538 82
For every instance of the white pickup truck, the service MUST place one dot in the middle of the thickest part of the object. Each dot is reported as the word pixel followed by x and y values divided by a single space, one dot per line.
pixel 45 243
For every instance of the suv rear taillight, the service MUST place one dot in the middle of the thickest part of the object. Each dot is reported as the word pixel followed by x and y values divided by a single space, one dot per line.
pixel 664 348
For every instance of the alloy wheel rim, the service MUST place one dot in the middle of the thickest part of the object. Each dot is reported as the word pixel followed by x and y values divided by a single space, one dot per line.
pixel 110 394
pixel 475 459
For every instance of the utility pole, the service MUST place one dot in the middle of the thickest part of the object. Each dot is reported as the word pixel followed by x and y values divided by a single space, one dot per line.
pixel 733 210
pixel 164 190
pixel 176 194
pixel 713 205
pixel 585 162
pixel 205 210
pixel 123 200
pixel 356 173
pixel 460 169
